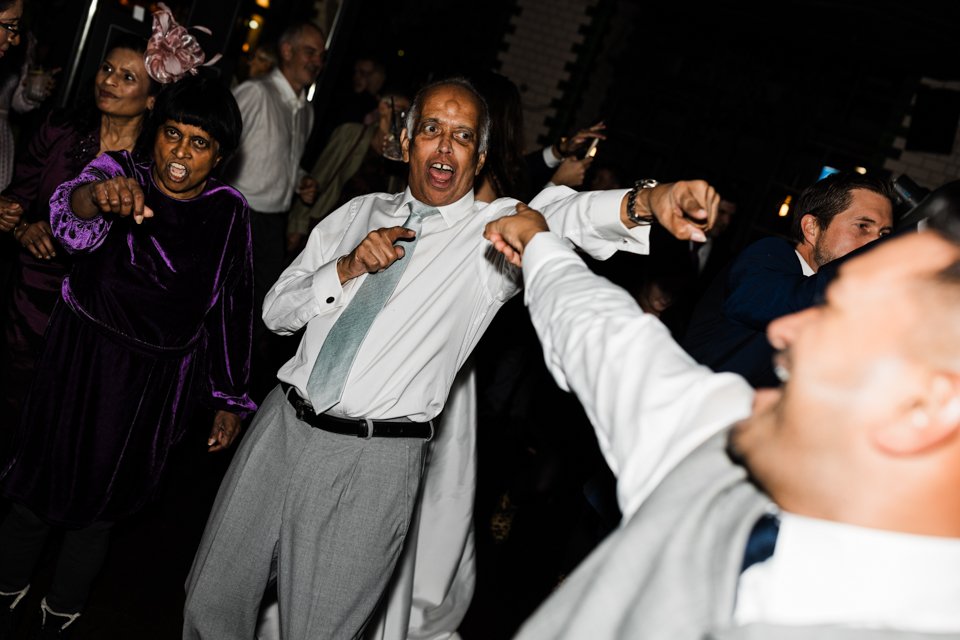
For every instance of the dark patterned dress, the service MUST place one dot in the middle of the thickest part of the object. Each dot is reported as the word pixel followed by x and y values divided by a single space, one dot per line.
pixel 154 319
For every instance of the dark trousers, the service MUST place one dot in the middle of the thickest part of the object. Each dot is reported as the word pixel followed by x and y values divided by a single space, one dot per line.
pixel 269 233
pixel 82 553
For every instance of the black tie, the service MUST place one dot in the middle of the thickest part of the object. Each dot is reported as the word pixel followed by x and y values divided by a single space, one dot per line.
pixel 762 540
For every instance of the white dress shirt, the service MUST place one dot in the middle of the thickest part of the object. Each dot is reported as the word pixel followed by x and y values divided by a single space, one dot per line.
pixel 598 343
pixel 445 300
pixel 276 126
pixel 867 570
pixel 651 405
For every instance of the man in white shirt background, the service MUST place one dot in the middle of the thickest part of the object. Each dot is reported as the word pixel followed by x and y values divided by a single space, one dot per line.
pixel 307 499
pixel 856 458
pixel 277 120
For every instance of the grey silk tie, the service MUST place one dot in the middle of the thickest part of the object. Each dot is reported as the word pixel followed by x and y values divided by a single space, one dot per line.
pixel 329 374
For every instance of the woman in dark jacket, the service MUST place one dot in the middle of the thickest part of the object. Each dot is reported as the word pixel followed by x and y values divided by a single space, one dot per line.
pixel 68 140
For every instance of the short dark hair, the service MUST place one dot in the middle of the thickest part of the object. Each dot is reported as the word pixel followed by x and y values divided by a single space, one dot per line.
pixel 483 125
pixel 201 101
pixel 826 198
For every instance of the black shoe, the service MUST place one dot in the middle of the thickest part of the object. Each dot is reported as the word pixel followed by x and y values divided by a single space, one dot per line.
pixel 10 613
pixel 52 625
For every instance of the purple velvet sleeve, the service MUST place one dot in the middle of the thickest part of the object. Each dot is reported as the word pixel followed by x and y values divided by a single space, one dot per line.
pixel 229 325
pixel 76 234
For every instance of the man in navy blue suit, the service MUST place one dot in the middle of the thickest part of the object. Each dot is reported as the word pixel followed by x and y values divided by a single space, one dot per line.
pixel 774 277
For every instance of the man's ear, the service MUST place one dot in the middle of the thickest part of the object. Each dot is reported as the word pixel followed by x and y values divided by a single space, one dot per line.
pixel 932 420
pixel 810 228
pixel 480 160
pixel 405 145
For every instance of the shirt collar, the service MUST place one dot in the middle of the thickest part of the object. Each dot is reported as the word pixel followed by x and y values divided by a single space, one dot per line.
pixel 451 213
pixel 825 572
pixel 804 267
pixel 283 86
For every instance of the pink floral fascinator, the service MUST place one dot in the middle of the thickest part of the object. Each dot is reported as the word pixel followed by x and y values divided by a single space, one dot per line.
pixel 172 52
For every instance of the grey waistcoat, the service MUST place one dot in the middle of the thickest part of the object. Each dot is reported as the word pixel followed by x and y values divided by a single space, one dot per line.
pixel 670 572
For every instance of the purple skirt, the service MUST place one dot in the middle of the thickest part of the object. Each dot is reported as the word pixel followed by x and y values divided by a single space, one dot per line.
pixel 98 424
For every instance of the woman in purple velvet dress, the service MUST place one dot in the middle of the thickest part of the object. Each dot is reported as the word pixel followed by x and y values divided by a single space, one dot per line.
pixel 122 93
pixel 154 320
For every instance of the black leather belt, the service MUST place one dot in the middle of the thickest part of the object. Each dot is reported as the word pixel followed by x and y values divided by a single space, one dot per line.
pixel 360 427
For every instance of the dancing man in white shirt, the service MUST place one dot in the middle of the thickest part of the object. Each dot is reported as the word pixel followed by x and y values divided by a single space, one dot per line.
pixel 306 499
pixel 856 458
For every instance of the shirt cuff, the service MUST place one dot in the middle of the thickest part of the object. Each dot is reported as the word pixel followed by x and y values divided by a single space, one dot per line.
pixel 328 293
pixel 605 214
pixel 542 248
pixel 550 158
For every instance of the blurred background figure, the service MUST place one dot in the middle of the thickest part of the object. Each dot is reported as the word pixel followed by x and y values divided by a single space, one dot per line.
pixel 355 100
pixel 353 163
pixel 277 122
pixel 685 268
pixel 564 163
pixel 604 175
pixel 24 86
pixel 776 276
pixel 505 172
pixel 369 75
pixel 263 60
pixel 109 118
pixel 11 12
pixel 260 61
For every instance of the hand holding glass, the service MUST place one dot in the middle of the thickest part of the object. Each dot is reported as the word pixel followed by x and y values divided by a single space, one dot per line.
pixel 39 84
pixel 391 146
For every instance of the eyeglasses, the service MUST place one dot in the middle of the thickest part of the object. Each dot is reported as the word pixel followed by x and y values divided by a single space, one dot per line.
pixel 12 29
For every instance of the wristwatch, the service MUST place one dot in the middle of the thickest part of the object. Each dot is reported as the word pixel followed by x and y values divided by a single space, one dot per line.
pixel 638 186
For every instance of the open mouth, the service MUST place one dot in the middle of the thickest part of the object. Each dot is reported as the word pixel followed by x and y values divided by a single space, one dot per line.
pixel 441 174
pixel 176 171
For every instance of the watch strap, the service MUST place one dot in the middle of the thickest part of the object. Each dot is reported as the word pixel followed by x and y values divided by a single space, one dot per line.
pixel 638 186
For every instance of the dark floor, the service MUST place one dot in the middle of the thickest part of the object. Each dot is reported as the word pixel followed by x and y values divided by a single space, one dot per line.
pixel 139 594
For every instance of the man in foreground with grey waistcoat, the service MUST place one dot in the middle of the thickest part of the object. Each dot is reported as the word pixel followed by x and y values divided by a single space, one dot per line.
pixel 828 508
pixel 394 291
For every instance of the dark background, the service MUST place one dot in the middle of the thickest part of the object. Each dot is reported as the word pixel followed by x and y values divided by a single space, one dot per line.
pixel 754 96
